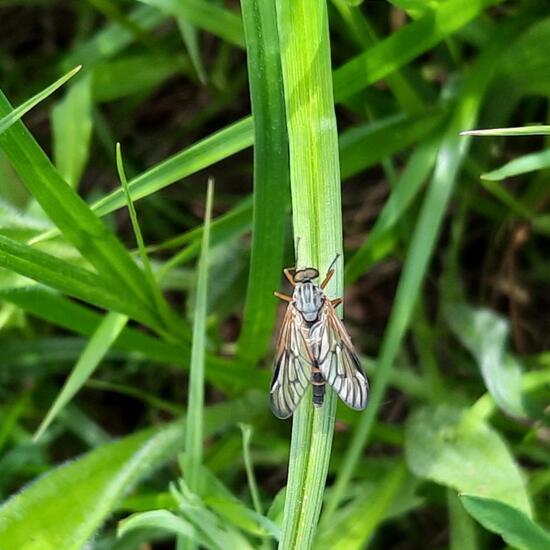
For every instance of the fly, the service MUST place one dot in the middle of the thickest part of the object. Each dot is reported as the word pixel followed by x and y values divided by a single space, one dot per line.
pixel 314 348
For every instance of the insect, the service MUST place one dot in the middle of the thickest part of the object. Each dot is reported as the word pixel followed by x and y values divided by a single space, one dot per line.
pixel 314 347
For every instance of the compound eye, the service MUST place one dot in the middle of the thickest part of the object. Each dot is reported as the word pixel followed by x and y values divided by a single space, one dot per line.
pixel 305 274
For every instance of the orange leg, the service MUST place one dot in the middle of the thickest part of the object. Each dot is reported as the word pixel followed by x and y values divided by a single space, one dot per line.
pixel 336 302
pixel 283 296
pixel 327 278
pixel 288 274
pixel 330 273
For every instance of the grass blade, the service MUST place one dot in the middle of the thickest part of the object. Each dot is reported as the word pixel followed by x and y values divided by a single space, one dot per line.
pixel 208 16
pixel 194 432
pixel 317 221
pixel 7 120
pixel 72 280
pixel 162 307
pixel 520 165
pixel 450 157
pixel 271 176
pixel 68 211
pixel 406 189
pixel 534 130
pixel 107 332
pixel 204 153
pixel 405 44
pixel 72 130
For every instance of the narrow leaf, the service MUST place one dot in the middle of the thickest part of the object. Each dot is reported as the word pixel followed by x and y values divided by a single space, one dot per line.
pixel 17 113
pixel 100 343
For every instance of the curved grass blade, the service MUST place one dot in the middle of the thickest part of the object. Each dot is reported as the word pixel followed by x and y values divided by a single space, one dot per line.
pixel 450 157
pixel 271 176
pixel 72 280
pixel 68 211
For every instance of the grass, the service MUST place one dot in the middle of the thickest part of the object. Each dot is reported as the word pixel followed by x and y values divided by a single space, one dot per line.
pixel 137 334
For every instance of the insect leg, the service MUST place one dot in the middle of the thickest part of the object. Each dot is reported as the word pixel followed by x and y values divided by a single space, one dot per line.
pixel 283 296
pixel 330 272
pixel 288 274
pixel 336 302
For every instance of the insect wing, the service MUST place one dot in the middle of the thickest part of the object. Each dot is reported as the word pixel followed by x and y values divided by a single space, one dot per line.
pixel 337 359
pixel 292 371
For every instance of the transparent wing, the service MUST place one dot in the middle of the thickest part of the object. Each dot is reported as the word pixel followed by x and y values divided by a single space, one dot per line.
pixel 292 372
pixel 337 359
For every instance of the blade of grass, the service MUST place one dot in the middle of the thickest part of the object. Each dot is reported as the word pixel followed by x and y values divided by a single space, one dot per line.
pixel 231 377
pixel 72 280
pixel 113 38
pixel 520 165
pixel 246 430
pixel 190 38
pixel 194 432
pixel 405 44
pixel 406 189
pixel 208 16
pixel 450 157
pixel 68 211
pixel 204 153
pixel 317 221
pixel 271 176
pixel 534 130
pixel 162 307
pixel 72 130
pixel 7 120
pixel 107 332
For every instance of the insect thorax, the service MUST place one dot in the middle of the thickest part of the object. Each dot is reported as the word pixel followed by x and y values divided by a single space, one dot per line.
pixel 308 299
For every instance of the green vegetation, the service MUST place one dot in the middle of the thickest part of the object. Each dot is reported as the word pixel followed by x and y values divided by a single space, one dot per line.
pixel 137 318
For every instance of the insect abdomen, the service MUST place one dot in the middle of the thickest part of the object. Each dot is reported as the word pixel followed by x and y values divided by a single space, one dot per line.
pixel 318 383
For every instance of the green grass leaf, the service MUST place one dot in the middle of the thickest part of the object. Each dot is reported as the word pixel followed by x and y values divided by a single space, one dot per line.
pixel 520 165
pixel 72 130
pixel 533 130
pixel 317 223
pixel 72 280
pixel 208 16
pixel 68 211
pixel 513 525
pixel 405 44
pixel 271 177
pixel 7 120
pixel 200 155
pixel 459 450
pixel 85 492
pixel 406 189
pixel 194 426
pixel 101 341
pixel 230 377
pixel 450 156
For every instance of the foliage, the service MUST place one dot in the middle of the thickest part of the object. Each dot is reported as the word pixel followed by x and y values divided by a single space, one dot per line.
pixel 136 333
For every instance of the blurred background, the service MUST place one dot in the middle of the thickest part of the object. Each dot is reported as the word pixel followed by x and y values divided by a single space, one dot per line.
pixel 160 81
